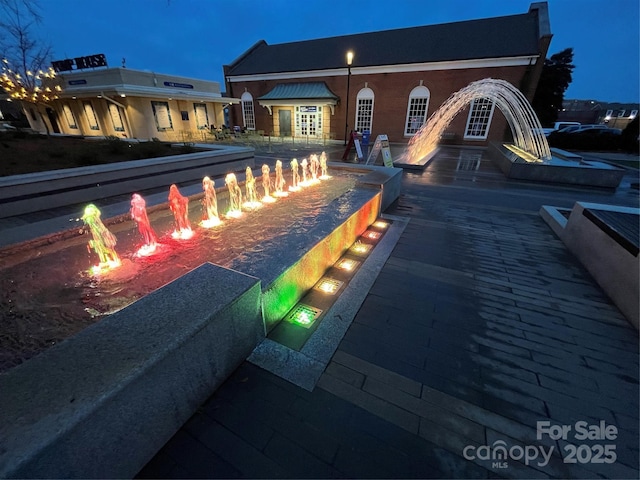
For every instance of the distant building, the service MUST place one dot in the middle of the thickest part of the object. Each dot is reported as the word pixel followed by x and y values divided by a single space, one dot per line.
pixel 614 115
pixel 130 103
pixel 397 78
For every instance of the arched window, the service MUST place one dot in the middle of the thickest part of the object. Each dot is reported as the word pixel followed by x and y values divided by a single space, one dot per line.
pixel 248 114
pixel 416 110
pixel 364 110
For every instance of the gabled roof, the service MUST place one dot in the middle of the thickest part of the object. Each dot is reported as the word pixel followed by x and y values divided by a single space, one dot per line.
pixel 300 91
pixel 498 37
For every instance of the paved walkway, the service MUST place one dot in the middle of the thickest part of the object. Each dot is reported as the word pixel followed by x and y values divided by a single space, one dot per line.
pixel 480 325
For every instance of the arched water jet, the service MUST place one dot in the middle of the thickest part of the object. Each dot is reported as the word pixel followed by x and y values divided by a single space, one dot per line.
pixel 522 120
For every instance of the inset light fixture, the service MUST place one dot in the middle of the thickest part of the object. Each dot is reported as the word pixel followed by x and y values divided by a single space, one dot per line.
pixel 303 315
pixel 329 285
pixel 380 224
pixel 371 234
pixel 348 264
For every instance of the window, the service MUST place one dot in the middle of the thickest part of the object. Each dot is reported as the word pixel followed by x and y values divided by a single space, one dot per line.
pixel 90 113
pixel 184 115
pixel 621 113
pixel 364 110
pixel 479 119
pixel 608 115
pixel 416 110
pixel 633 114
pixel 202 116
pixel 116 118
pixel 248 114
pixel 162 115
pixel 68 115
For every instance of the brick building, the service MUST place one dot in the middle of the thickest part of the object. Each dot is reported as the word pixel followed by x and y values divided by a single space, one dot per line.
pixel 396 79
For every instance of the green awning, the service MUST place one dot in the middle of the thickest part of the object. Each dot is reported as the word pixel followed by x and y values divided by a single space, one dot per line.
pixel 301 91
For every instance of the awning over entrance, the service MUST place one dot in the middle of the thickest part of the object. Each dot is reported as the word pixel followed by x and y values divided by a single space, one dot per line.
pixel 299 93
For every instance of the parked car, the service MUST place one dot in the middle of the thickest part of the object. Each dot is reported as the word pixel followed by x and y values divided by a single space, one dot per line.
pixel 5 127
pixel 580 128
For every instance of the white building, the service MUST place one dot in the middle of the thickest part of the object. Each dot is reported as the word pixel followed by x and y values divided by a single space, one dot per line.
pixel 131 104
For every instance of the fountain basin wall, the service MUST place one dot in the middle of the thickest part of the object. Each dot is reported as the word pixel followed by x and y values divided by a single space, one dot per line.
pixel 20 194
pixel 280 295
pixel 101 404
pixel 565 170
pixel 605 240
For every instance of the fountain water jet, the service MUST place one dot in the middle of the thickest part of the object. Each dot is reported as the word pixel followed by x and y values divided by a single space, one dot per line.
pixel 103 242
pixel 295 176
pixel 266 184
pixel 280 181
pixel 324 175
pixel 235 196
pixel 524 124
pixel 139 215
pixel 314 167
pixel 210 204
pixel 179 205
pixel 251 194
pixel 305 172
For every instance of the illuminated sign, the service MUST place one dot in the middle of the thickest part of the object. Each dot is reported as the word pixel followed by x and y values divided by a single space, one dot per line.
pixel 80 63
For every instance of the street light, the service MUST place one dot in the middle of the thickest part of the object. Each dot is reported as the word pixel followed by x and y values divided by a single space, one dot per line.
pixel 346 118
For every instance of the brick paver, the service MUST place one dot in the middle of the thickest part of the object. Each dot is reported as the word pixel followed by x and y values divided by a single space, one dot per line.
pixel 480 325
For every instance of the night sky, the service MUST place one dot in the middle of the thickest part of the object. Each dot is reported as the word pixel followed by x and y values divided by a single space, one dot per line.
pixel 194 38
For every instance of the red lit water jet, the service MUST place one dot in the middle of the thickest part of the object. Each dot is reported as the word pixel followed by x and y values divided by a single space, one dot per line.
pixel 179 205
pixel 139 215
pixel 103 241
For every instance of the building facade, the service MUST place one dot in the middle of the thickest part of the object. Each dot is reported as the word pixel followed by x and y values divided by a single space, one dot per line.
pixel 614 115
pixel 130 103
pixel 395 80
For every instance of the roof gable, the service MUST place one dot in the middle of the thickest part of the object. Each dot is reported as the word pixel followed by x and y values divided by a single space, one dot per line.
pixel 498 37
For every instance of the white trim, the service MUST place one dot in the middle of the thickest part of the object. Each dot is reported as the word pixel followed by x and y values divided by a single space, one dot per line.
pixel 408 67
pixel 149 92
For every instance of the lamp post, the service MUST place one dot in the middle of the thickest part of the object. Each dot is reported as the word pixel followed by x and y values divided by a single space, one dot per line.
pixel 346 118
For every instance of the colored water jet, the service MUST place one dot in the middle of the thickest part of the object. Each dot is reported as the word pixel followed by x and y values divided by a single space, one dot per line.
pixel 139 215
pixel 251 193
pixel 266 184
pixel 103 242
pixel 235 196
pixel 295 176
pixel 209 204
pixel 280 181
pixel 179 205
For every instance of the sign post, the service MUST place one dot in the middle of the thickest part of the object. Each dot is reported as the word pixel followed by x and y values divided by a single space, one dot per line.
pixel 381 145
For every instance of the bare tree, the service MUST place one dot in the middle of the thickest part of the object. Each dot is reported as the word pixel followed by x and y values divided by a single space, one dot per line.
pixel 26 75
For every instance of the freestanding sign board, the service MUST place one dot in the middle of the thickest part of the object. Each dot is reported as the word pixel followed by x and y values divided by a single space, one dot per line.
pixel 381 145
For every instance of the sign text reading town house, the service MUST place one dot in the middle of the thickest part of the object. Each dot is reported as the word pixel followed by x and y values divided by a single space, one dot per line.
pixel 79 63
